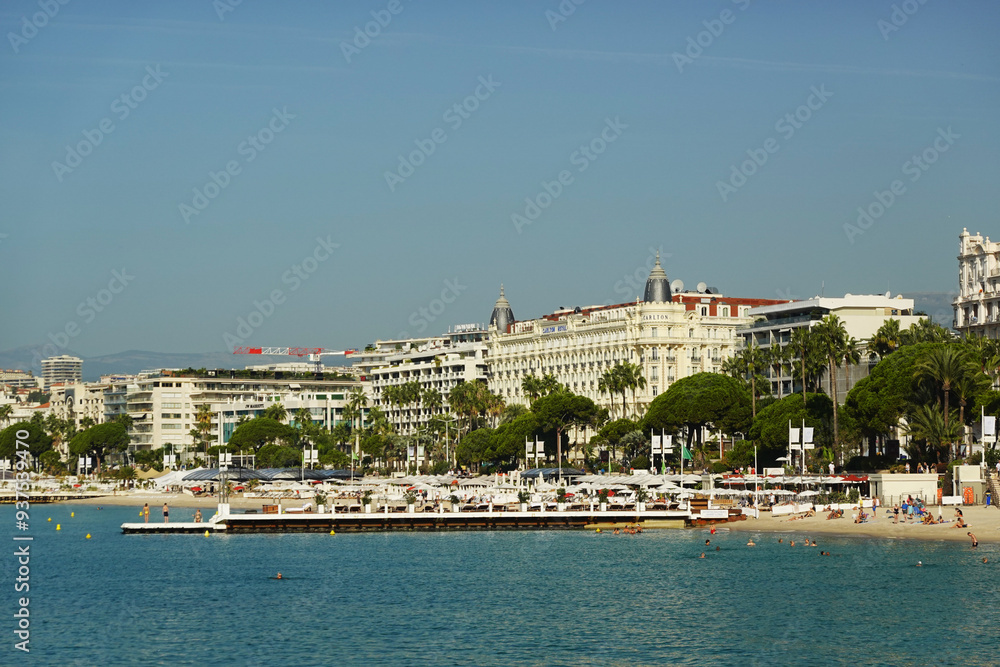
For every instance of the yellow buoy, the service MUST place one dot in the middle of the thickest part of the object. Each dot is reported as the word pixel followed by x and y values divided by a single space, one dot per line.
pixel 50 518
pixel 72 513
pixel 58 527
pixel 332 533
pixel 206 533
pixel 88 536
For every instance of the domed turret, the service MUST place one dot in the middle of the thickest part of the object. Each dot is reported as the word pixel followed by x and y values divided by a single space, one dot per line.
pixel 502 316
pixel 657 285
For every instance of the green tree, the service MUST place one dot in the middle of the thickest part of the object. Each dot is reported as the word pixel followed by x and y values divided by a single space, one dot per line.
pixel 258 432
pixel 38 440
pixel 561 410
pixel 697 401
pixel 109 437
pixel 770 429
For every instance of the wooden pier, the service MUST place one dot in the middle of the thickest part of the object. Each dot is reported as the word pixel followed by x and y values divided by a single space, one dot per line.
pixel 422 521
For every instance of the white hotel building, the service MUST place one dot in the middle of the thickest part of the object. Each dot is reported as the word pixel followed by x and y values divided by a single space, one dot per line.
pixel 671 336
pixel 437 363
pixel 977 307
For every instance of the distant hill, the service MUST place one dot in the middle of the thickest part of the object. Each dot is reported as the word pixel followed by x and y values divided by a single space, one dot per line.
pixel 134 361
pixel 937 305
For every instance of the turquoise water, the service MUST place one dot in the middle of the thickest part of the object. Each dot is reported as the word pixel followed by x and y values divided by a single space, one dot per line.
pixel 501 598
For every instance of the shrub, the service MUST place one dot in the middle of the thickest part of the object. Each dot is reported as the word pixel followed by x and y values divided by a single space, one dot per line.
pixel 640 463
pixel 718 467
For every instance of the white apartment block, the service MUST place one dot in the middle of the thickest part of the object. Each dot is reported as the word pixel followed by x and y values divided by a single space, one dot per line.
pixel 862 315
pixel 64 368
pixel 163 408
pixel 437 363
pixel 670 336
pixel 977 306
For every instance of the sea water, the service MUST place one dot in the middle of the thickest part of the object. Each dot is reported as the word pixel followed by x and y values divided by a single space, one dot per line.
pixel 492 598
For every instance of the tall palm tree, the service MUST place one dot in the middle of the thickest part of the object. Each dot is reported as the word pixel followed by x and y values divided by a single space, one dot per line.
pixel 751 361
pixel 6 413
pixel 276 411
pixel 831 341
pixel 929 424
pixel 610 383
pixel 357 400
pixel 944 368
pixel 851 357
pixel 778 358
pixel 531 387
pixel 203 424
pixel 801 342
pixel 887 339
pixel 632 379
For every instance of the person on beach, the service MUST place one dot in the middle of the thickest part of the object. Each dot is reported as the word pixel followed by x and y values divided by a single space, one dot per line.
pixel 166 513
pixel 197 516
pixel 895 514
pixel 975 542
pixel 145 512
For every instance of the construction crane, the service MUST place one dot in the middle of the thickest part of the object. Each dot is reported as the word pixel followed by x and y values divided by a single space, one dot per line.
pixel 315 354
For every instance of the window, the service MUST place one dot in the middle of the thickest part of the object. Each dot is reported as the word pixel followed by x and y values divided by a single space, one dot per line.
pixel 172 427
pixel 652 332
pixel 656 390
pixel 170 415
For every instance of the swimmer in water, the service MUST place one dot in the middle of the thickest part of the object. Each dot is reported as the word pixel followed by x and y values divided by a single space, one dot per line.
pixel 920 564
pixel 279 576
pixel 780 540
pixel 702 555
pixel 750 543
pixel 975 542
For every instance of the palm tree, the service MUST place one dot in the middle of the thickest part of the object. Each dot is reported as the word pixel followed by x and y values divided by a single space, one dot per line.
pixel 778 358
pixel 276 411
pixel 851 357
pixel 927 423
pixel 943 368
pixel 801 342
pixel 632 379
pixel 610 383
pixel 531 387
pixel 357 400
pixel 750 361
pixel 6 413
pixel 831 341
pixel 203 424
pixel 887 339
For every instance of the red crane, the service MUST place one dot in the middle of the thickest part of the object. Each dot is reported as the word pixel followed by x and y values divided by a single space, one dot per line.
pixel 315 354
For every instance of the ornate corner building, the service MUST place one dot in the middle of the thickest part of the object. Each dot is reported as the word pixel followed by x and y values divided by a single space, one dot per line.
pixel 977 307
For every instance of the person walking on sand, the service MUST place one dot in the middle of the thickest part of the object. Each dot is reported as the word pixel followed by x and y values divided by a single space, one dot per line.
pixel 145 512
pixel 166 513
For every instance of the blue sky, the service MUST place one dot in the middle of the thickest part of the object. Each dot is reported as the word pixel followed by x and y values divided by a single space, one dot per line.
pixel 334 125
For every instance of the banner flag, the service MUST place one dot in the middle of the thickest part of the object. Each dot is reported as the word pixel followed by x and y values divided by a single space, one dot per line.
pixel 989 425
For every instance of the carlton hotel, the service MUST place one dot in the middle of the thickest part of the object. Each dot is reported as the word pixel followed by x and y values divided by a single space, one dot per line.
pixel 670 335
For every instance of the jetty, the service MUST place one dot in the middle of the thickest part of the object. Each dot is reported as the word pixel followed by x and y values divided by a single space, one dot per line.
pixel 350 522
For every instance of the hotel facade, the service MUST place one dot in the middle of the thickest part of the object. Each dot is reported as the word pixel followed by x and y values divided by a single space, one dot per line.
pixel 670 336
pixel 977 306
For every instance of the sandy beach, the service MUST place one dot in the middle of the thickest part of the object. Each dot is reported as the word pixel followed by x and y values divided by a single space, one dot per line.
pixel 983 522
